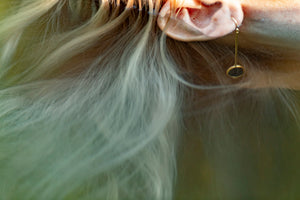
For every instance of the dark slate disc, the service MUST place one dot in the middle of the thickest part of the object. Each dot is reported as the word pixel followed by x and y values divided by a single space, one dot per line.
pixel 235 71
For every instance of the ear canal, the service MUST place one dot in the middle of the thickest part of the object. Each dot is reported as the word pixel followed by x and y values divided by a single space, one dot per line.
pixel 196 20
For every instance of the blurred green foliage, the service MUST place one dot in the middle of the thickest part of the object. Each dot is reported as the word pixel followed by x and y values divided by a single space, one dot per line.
pixel 3 7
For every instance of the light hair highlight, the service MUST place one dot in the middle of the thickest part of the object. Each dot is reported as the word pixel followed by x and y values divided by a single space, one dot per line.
pixel 94 100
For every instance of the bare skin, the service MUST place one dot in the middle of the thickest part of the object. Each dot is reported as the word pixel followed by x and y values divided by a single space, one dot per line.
pixel 266 25
pixel 272 22
pixel 274 25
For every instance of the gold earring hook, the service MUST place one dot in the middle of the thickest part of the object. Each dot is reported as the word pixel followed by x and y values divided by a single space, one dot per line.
pixel 236 71
pixel 237 31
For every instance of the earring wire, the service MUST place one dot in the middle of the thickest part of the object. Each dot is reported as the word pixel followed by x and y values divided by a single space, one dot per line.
pixel 237 31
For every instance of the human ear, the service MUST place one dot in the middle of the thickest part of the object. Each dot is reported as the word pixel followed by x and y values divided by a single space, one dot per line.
pixel 199 20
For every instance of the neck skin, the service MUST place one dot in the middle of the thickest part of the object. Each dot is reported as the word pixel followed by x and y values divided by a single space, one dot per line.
pixel 272 26
pixel 273 23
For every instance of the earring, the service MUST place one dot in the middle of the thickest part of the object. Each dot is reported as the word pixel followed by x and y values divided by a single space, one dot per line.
pixel 236 71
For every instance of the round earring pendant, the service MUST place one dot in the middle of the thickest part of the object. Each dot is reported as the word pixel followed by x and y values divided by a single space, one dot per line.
pixel 235 71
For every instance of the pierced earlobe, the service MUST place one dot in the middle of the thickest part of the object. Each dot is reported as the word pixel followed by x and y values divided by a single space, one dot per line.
pixel 198 20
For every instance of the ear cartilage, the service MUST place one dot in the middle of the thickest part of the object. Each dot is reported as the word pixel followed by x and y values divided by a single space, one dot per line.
pixel 236 71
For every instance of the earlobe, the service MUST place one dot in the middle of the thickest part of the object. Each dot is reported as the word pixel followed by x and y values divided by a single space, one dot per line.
pixel 199 20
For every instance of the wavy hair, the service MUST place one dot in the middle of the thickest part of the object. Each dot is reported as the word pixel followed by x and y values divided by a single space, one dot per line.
pixel 93 96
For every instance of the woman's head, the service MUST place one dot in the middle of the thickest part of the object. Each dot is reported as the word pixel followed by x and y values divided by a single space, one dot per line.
pixel 95 96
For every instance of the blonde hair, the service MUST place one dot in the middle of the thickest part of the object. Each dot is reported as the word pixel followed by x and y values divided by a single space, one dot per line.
pixel 91 100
